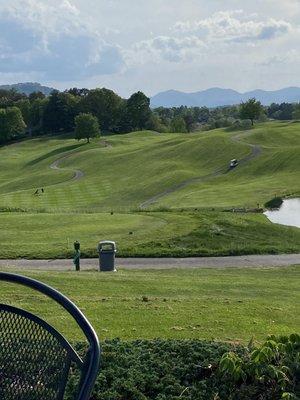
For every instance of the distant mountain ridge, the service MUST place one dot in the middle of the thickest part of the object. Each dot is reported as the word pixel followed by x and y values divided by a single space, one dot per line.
pixel 217 97
pixel 28 87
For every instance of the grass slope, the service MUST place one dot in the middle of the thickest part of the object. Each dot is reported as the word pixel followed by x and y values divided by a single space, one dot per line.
pixel 230 305
pixel 121 172
pixel 275 172
pixel 153 234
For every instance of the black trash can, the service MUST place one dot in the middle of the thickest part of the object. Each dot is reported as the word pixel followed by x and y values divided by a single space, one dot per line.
pixel 107 251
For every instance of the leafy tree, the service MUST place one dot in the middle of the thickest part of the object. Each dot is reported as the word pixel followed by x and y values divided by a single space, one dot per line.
pixel 9 97
pixel 78 92
pixel 86 126
pixel 154 123
pixel 201 114
pixel 3 126
pixel 296 112
pixel 36 95
pixel 189 120
pixel 252 109
pixel 16 124
pixel 11 123
pixel 37 111
pixel 60 112
pixel 105 105
pixel 24 106
pixel 178 125
pixel 138 111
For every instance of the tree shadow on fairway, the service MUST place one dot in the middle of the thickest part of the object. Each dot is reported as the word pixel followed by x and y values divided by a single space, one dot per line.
pixel 54 152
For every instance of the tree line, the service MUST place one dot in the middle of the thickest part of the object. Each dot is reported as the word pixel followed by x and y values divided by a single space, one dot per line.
pixel 103 110
pixel 242 116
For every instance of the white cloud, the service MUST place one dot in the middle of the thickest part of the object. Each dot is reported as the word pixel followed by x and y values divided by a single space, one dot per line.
pixel 290 57
pixel 174 49
pixel 197 40
pixel 234 26
pixel 54 41
pixel 132 44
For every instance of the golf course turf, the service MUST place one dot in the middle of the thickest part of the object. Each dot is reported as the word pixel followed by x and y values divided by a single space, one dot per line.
pixel 227 304
pixel 181 181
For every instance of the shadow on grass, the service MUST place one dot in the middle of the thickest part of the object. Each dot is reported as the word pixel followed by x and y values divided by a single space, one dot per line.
pixel 54 152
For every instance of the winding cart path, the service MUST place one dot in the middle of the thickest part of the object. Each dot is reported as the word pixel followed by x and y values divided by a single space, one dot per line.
pixel 255 152
pixel 78 174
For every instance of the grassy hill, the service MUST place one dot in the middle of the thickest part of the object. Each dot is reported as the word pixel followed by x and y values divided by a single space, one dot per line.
pixel 127 171
pixel 222 304
pixel 121 172
pixel 83 183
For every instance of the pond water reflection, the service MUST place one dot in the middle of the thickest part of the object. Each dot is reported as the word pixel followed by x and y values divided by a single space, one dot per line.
pixel 288 213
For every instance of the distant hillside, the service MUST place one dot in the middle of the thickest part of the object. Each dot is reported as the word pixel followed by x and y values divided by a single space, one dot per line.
pixel 28 87
pixel 216 97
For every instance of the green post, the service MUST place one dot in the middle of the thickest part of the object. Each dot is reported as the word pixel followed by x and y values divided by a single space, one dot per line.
pixel 76 259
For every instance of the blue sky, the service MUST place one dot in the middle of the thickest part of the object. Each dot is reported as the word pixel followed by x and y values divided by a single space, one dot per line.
pixel 151 45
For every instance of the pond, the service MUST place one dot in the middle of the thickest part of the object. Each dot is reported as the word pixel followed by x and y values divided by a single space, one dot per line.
pixel 287 214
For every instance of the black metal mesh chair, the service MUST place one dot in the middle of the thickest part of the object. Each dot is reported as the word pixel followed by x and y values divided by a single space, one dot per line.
pixel 35 359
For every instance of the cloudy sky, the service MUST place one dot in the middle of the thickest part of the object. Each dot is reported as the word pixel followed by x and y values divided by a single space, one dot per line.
pixel 151 45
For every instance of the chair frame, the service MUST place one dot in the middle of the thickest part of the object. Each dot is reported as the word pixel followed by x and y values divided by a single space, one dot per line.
pixel 90 366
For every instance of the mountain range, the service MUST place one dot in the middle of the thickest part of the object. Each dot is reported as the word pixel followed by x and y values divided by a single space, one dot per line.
pixel 28 87
pixel 214 97
pixel 217 97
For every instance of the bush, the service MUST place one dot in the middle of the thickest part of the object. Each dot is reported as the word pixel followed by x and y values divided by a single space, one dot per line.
pixel 274 203
pixel 246 124
pixel 195 370
pixel 271 371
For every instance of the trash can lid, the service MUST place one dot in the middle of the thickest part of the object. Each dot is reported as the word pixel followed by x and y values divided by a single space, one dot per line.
pixel 107 242
pixel 106 245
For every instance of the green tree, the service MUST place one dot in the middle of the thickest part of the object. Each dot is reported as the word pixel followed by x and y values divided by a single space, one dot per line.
pixel 251 109
pixel 189 120
pixel 86 126
pixel 37 110
pixel 296 112
pixel 11 124
pixel 36 95
pixel 16 124
pixel 178 125
pixel 138 111
pixel 105 105
pixel 60 112
pixel 3 126
pixel 154 123
pixel 24 106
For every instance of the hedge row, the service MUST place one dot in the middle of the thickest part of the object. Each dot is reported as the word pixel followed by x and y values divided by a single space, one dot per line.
pixel 195 370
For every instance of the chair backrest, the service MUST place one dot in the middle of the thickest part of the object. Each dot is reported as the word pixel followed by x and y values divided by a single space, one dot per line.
pixel 35 359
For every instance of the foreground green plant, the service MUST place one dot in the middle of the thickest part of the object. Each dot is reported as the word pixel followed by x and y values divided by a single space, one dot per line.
pixel 274 203
pixel 196 370
pixel 271 370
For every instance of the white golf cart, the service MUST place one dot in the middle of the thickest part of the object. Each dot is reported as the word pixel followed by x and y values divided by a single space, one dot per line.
pixel 233 163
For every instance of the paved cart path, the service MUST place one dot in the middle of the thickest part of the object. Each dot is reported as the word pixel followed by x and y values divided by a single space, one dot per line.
pixel 282 260
pixel 255 151
pixel 78 174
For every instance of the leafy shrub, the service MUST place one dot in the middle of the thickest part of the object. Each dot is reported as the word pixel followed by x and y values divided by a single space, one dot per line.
pixel 271 371
pixel 276 202
pixel 195 370
pixel 246 124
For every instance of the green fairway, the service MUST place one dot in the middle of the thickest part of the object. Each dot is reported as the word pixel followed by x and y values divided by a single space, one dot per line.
pixel 123 171
pixel 123 174
pixel 230 305
pixel 275 172
pixel 186 174
pixel 155 234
